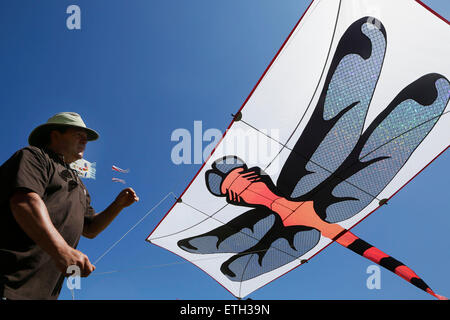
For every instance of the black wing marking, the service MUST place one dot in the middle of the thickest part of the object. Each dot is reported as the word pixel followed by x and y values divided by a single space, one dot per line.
pixel 338 118
pixel 261 242
pixel 382 149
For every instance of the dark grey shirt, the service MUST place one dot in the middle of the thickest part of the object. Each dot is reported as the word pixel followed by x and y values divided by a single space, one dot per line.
pixel 26 271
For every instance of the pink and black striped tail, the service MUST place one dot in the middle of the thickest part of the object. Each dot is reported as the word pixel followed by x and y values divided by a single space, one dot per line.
pixel 361 247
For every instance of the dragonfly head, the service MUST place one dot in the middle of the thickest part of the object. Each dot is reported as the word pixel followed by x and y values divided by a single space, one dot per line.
pixel 220 170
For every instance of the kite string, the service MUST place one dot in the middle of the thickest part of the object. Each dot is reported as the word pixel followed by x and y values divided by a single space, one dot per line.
pixel 133 227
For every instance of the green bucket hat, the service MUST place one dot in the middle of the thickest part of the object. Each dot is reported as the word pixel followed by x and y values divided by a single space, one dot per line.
pixel 64 119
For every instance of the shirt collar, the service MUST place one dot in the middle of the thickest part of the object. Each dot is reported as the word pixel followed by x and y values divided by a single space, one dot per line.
pixel 55 156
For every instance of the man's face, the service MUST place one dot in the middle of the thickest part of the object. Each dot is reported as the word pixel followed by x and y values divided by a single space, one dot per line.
pixel 71 144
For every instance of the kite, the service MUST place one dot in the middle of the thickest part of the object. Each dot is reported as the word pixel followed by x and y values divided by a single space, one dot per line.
pixel 120 170
pixel 115 168
pixel 359 100
pixel 118 180
pixel 84 168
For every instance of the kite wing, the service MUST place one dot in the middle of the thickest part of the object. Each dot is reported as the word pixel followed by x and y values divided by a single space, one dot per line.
pixel 376 156
pixel 353 106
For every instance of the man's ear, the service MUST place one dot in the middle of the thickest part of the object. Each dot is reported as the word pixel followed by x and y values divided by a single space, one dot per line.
pixel 54 136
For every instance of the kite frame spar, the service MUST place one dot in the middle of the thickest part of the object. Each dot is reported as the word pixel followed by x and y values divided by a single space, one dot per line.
pixel 242 107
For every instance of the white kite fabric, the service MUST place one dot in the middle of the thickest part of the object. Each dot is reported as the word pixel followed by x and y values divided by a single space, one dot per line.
pixel 84 168
pixel 352 108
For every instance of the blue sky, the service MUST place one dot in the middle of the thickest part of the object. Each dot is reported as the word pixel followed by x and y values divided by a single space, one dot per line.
pixel 137 71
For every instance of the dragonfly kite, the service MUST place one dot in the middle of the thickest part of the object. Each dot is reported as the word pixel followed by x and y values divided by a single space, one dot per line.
pixel 361 100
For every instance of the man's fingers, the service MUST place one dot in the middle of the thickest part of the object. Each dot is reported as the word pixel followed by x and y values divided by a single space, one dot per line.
pixel 87 268
pixel 130 194
pixel 85 265
pixel 90 269
pixel 129 191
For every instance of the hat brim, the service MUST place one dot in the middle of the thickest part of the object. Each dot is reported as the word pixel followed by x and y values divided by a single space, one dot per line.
pixel 39 135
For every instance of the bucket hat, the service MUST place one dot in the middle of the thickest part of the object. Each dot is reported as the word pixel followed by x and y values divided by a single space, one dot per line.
pixel 63 119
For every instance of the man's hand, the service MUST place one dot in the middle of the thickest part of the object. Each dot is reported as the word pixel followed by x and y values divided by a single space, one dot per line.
pixel 101 220
pixel 126 198
pixel 72 257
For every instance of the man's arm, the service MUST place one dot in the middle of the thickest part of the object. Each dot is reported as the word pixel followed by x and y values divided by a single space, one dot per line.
pixel 100 221
pixel 32 216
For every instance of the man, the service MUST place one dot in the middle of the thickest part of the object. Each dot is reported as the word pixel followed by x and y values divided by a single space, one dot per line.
pixel 45 208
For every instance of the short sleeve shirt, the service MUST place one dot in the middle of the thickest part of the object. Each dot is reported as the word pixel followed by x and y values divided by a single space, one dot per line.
pixel 26 271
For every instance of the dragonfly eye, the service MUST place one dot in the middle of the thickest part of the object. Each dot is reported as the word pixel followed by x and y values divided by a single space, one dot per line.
pixel 228 163
pixel 213 182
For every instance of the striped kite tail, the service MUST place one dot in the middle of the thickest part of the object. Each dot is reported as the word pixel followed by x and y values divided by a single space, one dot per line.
pixel 354 243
